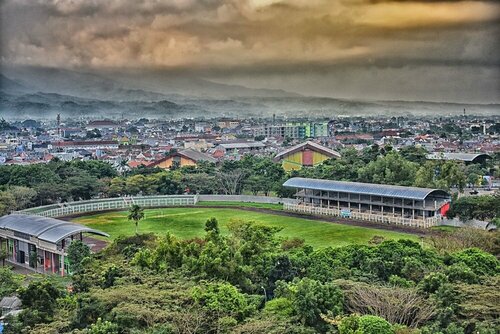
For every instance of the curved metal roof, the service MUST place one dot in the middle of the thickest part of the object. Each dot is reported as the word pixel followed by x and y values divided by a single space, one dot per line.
pixel 44 228
pixel 364 188
pixel 467 157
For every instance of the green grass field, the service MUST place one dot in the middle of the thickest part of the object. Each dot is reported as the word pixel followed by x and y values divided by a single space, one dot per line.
pixel 189 223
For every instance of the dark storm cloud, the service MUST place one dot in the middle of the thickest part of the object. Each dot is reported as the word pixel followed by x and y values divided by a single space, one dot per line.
pixel 236 38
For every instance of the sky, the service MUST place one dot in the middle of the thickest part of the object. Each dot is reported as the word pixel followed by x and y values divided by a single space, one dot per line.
pixel 365 49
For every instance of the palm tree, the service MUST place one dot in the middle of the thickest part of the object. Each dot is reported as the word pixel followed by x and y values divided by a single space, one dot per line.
pixel 136 213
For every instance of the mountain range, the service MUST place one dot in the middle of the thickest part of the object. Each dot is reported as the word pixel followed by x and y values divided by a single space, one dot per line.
pixel 36 92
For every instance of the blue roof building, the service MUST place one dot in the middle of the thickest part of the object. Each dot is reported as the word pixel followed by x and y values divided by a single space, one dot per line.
pixel 367 201
pixel 40 243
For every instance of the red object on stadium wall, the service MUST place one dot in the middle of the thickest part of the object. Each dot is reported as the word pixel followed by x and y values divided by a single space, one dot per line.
pixel 444 209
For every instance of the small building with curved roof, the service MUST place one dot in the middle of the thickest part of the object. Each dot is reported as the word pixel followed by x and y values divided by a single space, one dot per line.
pixel 40 243
pixel 379 202
pixel 466 158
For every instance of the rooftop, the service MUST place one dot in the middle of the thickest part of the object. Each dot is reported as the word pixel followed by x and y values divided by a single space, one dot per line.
pixel 47 229
pixel 308 145
pixel 467 157
pixel 365 188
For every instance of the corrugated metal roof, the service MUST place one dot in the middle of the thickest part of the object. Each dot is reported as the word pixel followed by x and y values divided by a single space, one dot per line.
pixel 363 188
pixel 44 228
pixel 457 156
pixel 243 145
pixel 197 156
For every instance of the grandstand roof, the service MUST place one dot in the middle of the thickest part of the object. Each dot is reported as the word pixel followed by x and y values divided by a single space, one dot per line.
pixel 364 188
pixel 47 229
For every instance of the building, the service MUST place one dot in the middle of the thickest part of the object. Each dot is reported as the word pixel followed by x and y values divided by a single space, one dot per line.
pixel 420 207
pixel 313 129
pixel 226 123
pixel 467 158
pixel 294 130
pixel 307 154
pixel 9 306
pixel 182 158
pixel 86 145
pixel 40 243
pixel 280 131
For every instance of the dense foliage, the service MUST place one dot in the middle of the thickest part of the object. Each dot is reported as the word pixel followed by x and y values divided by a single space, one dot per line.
pixel 251 281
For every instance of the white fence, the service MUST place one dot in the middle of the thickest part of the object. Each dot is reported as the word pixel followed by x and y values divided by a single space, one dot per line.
pixel 70 208
pixel 245 198
pixel 424 222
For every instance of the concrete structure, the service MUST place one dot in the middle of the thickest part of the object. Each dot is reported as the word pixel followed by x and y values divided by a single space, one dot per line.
pixel 419 207
pixel 307 154
pixel 40 243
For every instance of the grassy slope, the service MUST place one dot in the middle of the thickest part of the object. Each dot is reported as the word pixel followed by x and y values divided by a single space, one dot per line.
pixel 189 223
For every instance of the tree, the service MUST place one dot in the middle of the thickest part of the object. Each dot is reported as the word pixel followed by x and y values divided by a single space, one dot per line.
pixel 103 327
pixel 403 306
pixel 136 213
pixel 7 203
pixel 389 169
pixel 3 256
pixel 231 182
pixel 23 196
pixel 221 299
pixel 414 154
pixel 77 252
pixel 212 226
pixel 311 299
pixel 9 282
pixel 366 324
pixel 39 300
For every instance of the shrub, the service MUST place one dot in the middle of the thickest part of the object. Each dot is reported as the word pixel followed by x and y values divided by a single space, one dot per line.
pixel 366 324
pixel 432 282
pixel 480 262
pixel 281 307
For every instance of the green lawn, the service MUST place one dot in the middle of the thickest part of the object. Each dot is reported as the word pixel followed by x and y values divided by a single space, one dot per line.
pixel 189 223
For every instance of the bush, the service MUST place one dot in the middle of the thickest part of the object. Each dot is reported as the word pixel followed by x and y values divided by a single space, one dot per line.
pixel 311 299
pixel 366 324
pixel 432 282
pixel 480 262
pixel 460 272
pixel 281 307
pixel 222 299
pixel 103 327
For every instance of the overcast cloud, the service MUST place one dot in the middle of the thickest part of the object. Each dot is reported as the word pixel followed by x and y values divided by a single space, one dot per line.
pixel 376 49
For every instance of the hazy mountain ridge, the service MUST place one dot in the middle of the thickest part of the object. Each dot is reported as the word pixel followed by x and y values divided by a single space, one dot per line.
pixel 42 92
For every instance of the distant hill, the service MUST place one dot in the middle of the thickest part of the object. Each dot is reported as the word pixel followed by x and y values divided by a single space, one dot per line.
pixel 10 86
pixel 43 92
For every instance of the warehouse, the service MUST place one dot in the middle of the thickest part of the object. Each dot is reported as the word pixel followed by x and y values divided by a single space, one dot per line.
pixel 40 243
pixel 420 207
